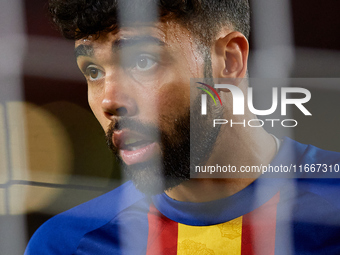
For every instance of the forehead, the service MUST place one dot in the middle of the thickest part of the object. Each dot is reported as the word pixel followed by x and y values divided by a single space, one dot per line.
pixel 169 32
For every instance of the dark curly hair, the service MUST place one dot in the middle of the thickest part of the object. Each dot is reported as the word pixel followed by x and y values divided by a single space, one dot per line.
pixel 78 19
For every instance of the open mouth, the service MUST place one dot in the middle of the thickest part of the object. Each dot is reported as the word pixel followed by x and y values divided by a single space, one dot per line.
pixel 135 148
pixel 133 144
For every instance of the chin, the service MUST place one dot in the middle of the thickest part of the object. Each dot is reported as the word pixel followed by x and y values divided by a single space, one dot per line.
pixel 153 178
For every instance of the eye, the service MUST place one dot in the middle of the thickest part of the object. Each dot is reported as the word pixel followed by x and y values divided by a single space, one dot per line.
pixel 145 62
pixel 93 73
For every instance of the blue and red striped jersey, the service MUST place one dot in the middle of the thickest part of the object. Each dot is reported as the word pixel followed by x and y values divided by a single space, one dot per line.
pixel 270 216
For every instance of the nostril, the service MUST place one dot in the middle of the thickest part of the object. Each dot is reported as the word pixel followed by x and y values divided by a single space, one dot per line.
pixel 108 115
pixel 121 111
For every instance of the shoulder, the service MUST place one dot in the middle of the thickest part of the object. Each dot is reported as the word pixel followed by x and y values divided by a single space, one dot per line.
pixel 318 174
pixel 316 171
pixel 303 154
pixel 62 233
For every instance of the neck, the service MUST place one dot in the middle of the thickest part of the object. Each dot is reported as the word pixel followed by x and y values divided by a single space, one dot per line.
pixel 236 146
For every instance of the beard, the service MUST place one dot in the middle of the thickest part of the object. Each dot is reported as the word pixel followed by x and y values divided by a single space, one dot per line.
pixel 189 142
pixel 163 171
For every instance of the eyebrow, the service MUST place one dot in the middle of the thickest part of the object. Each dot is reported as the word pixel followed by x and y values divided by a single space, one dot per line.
pixel 84 50
pixel 88 50
pixel 133 41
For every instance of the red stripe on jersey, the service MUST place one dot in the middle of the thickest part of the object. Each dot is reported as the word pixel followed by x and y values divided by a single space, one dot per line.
pixel 163 234
pixel 258 229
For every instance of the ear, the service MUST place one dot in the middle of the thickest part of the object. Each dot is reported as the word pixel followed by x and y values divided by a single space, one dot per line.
pixel 230 56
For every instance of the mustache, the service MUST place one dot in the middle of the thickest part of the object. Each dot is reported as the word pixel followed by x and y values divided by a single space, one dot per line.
pixel 146 129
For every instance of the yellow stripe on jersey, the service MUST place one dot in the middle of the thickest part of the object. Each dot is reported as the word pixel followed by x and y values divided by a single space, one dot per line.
pixel 224 238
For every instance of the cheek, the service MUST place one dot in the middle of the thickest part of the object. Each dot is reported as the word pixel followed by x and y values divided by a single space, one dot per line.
pixel 174 101
pixel 95 106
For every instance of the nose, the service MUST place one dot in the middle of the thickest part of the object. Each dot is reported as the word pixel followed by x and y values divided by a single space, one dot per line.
pixel 118 101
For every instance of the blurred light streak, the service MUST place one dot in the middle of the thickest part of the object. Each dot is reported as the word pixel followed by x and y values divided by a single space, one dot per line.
pixel 273 58
pixel 12 48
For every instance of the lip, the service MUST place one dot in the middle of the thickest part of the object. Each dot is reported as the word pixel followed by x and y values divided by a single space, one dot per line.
pixel 136 156
pixel 141 155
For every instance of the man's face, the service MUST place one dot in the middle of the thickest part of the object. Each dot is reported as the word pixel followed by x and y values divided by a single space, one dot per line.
pixel 139 90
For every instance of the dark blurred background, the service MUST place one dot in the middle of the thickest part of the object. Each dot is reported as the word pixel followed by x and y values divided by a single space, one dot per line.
pixel 52 150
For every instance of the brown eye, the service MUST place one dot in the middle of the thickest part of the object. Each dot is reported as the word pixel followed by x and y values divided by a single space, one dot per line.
pixel 145 62
pixel 94 73
pixel 142 63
